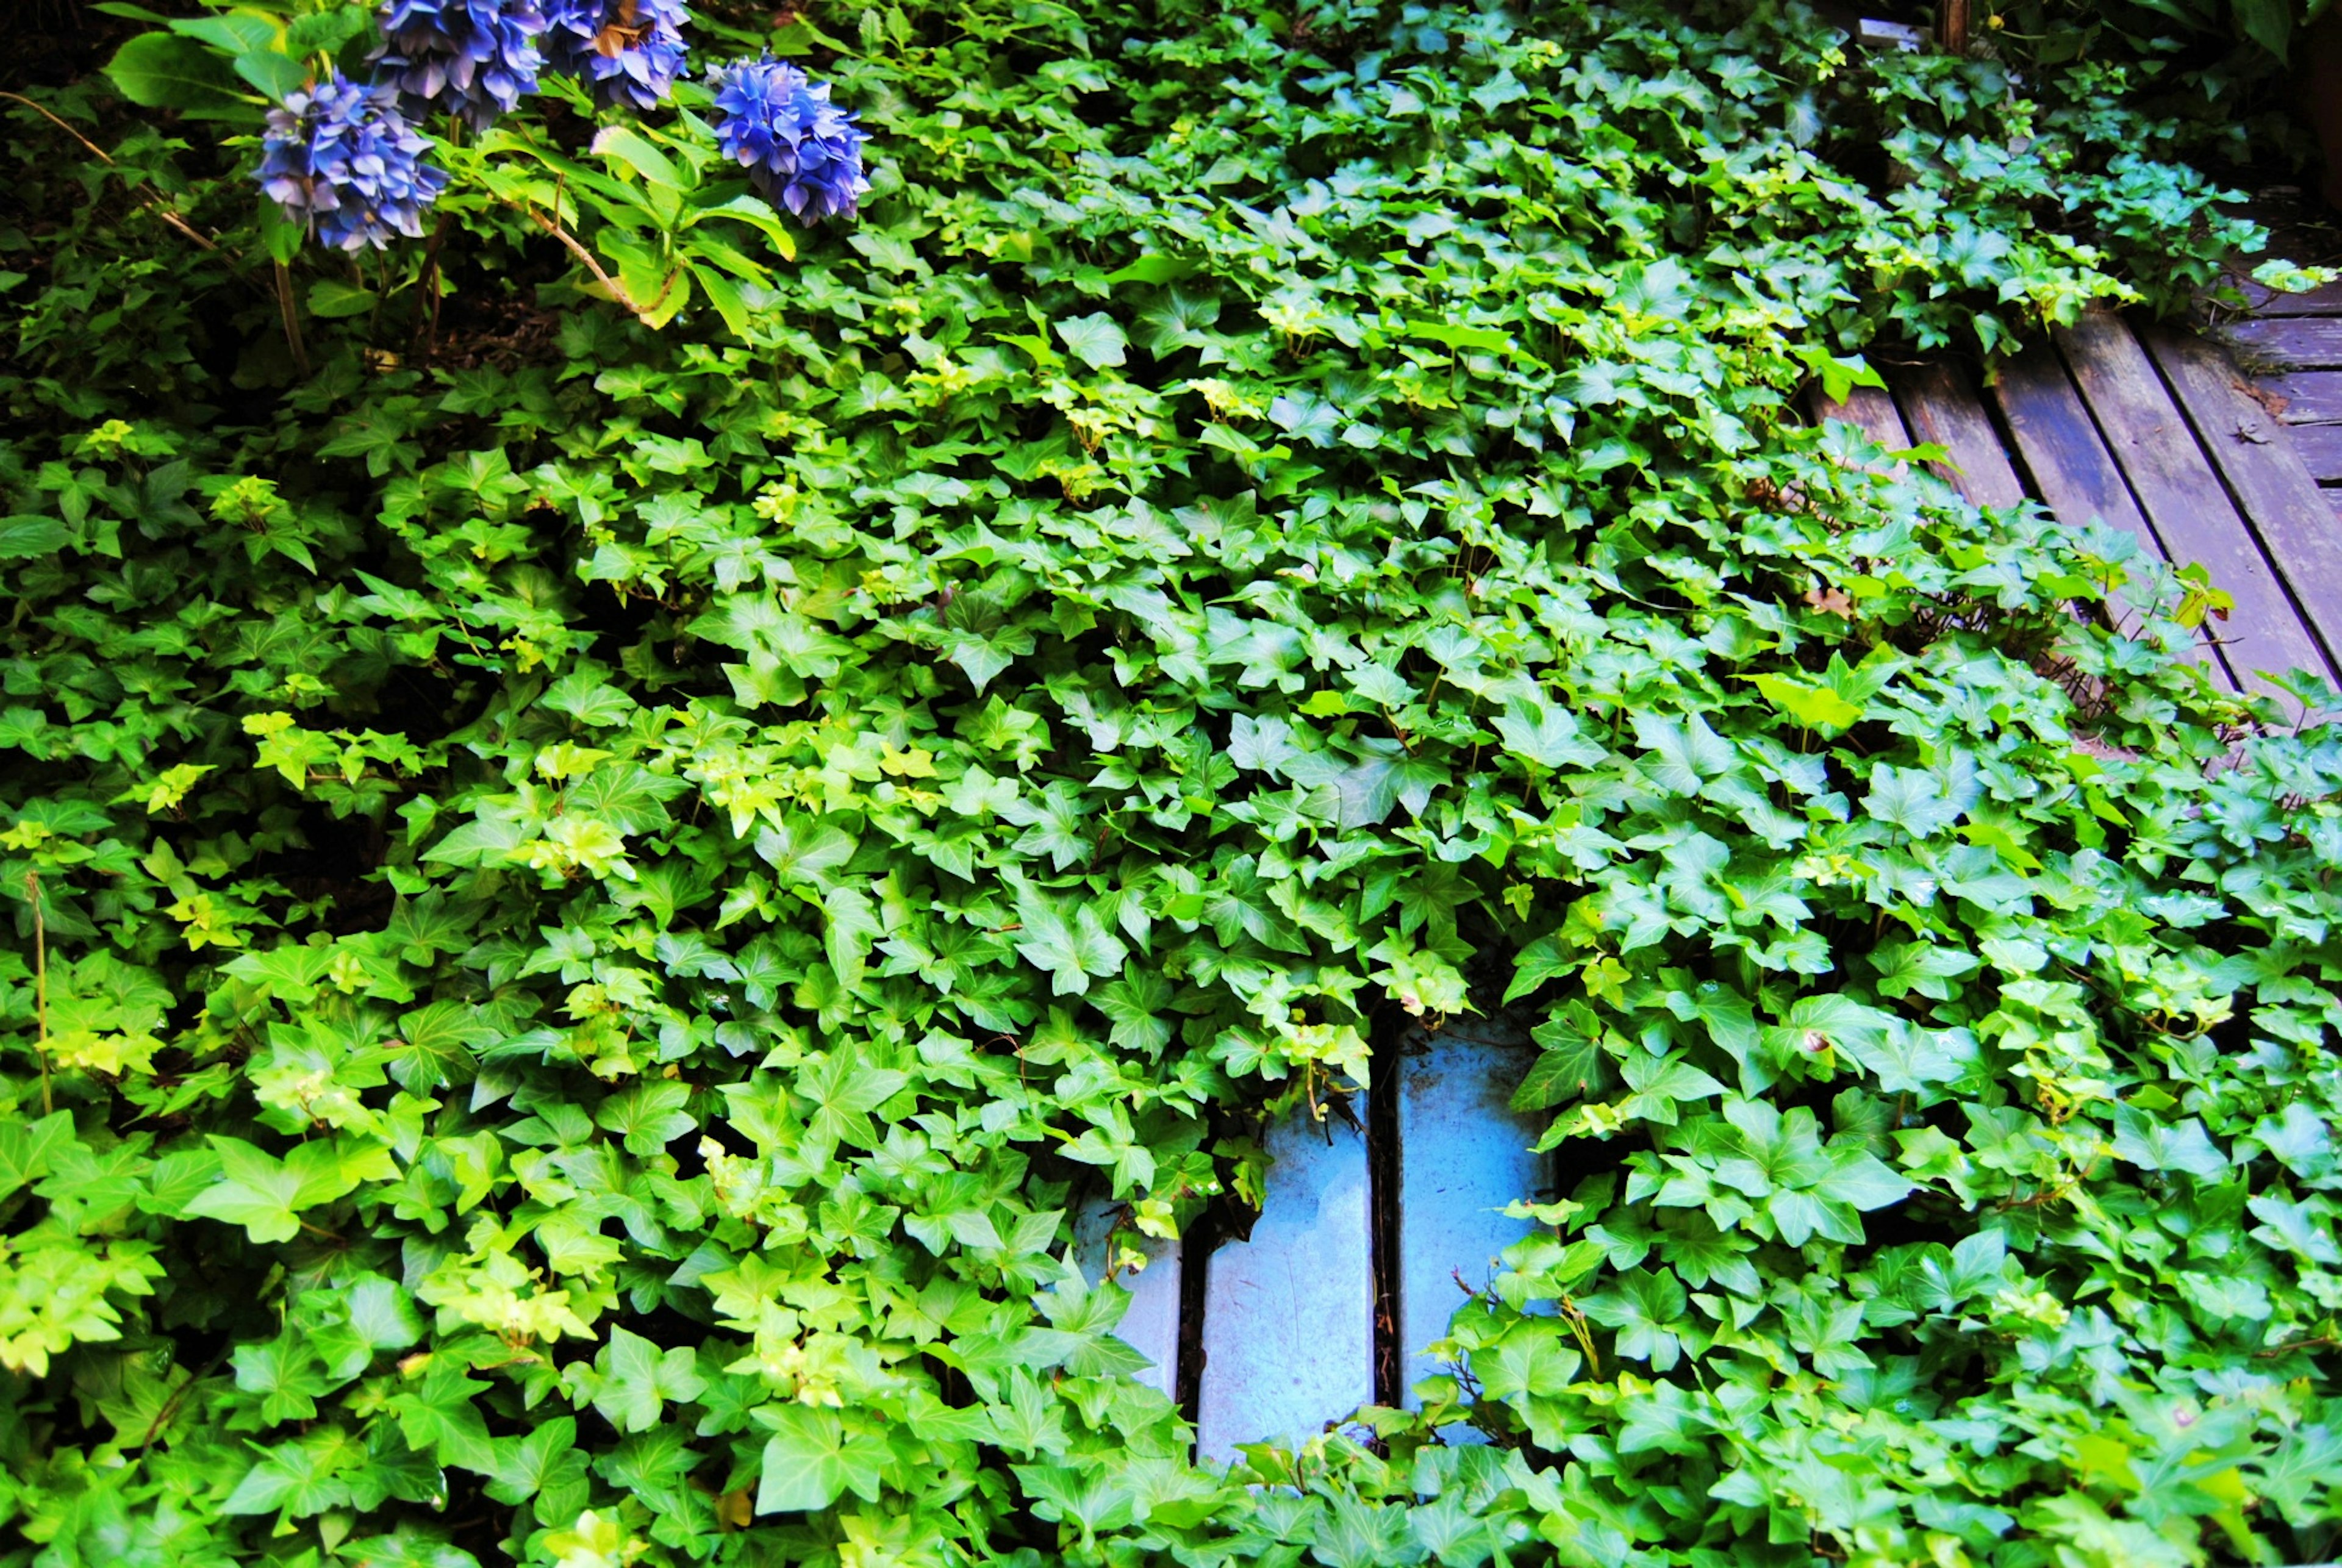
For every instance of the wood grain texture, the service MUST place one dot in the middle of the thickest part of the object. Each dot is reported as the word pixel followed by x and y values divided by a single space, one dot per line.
pixel 2319 447
pixel 2264 302
pixel 2182 497
pixel 2292 519
pixel 2305 396
pixel 1288 1332
pixel 1463 1154
pixel 1952 26
pixel 1872 411
pixel 2285 344
pixel 1940 406
pixel 2073 473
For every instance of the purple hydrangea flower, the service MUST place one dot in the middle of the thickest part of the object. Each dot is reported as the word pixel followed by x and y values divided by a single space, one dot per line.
pixel 801 151
pixel 342 158
pixel 625 51
pixel 474 58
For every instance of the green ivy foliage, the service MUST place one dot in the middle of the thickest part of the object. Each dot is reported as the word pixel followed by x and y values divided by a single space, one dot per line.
pixel 589 898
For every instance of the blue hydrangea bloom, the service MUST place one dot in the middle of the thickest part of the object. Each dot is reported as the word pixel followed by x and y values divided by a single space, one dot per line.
pixel 801 151
pixel 342 158
pixel 625 51
pixel 473 58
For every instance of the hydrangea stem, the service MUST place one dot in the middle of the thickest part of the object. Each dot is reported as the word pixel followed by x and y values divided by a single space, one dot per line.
pixel 292 319
pixel 585 257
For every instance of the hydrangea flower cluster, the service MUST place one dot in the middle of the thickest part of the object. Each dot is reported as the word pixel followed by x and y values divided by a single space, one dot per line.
pixel 347 160
pixel 801 151
pixel 341 158
pixel 474 58
pixel 625 51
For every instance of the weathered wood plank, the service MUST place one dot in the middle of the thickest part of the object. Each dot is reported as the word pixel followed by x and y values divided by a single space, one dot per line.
pixel 1872 411
pixel 2288 342
pixel 2182 497
pixel 2069 463
pixel 2304 397
pixel 2267 302
pixel 2292 519
pixel 1150 1325
pixel 1939 407
pixel 1463 1154
pixel 2319 447
pixel 1288 1316
pixel 2072 470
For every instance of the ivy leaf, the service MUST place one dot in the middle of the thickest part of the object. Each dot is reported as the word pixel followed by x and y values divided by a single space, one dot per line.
pixel 25 537
pixel 541 1460
pixel 1056 822
pixel 1925 968
pixel 2151 1146
pixel 26 1148
pixel 1684 753
pixel 850 928
pixel 1542 960
pixel 1911 799
pixel 844 1089
pixel 638 1378
pixel 301 1478
pixel 1364 1535
pixel 1539 733
pixel 1571 1064
pixel 1807 705
pixel 1645 1309
pixel 1692 876
pixel 648 1116
pixel 1532 1361
pixel 810 1461
pixel 263 1193
pixel 1138 1004
pixel 805 852
pixel 1860 1181
pixel 1307 416
pixel 1070 949
pixel 1096 339
pixel 1659 1081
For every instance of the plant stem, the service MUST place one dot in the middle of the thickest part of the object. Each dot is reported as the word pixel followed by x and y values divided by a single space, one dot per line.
pixel 292 319
pixel 40 987
pixel 162 208
pixel 585 257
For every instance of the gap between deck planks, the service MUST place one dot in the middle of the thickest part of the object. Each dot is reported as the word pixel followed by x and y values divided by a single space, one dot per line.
pixel 1286 1330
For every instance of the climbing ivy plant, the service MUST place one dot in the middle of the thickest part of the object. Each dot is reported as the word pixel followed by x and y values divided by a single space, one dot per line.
pixel 588 897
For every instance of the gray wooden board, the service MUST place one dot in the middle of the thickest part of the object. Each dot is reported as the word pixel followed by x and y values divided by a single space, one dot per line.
pixel 2292 520
pixel 2072 470
pixel 1871 410
pixel 2293 343
pixel 1463 1154
pixel 2319 447
pixel 1288 1316
pixel 1940 407
pixel 2183 497
pixel 2305 396
pixel 2062 449
pixel 2324 300
pixel 1151 1324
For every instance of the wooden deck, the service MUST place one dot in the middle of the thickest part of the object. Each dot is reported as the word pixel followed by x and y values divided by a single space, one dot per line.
pixel 1374 1227
pixel 2160 433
